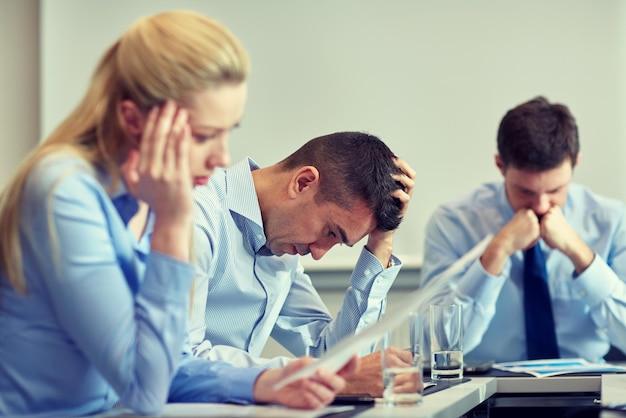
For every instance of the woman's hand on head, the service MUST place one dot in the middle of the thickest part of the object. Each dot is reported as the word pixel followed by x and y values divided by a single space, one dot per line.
pixel 159 174
pixel 313 392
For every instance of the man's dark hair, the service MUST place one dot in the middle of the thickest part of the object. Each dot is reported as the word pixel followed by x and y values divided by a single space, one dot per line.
pixel 538 136
pixel 353 167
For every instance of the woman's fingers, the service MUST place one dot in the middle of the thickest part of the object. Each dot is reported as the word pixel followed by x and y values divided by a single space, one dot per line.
pixel 155 139
pixel 145 145
pixel 173 159
pixel 316 391
pixel 182 163
pixel 163 174
pixel 316 394
pixel 329 381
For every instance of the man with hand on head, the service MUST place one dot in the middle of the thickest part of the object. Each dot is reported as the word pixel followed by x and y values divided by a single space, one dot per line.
pixel 253 224
pixel 550 283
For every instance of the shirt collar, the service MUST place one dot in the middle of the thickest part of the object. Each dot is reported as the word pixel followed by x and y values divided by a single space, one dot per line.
pixel 243 202
pixel 125 203
pixel 240 187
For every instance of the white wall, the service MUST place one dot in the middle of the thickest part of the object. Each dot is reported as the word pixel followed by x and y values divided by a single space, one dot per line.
pixel 431 78
pixel 19 82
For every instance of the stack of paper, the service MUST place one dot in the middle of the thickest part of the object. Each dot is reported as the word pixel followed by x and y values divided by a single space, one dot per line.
pixel 553 367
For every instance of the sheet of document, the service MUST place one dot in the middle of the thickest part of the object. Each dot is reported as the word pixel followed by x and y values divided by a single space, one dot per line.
pixel 554 367
pixel 337 356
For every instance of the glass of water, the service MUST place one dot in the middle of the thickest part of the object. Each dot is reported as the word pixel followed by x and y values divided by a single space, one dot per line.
pixel 402 362
pixel 446 342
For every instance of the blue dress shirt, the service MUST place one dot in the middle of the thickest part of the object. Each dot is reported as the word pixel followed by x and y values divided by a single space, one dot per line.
pixel 104 319
pixel 244 294
pixel 589 309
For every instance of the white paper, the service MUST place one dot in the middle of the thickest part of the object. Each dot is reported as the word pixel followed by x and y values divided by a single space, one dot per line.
pixel 337 356
pixel 554 367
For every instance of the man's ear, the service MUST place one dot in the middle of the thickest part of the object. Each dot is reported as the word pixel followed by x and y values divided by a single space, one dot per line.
pixel 132 119
pixel 304 180
pixel 500 164
pixel 575 164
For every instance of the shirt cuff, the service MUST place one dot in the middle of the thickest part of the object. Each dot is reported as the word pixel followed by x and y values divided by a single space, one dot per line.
pixel 239 383
pixel 596 283
pixel 200 380
pixel 370 276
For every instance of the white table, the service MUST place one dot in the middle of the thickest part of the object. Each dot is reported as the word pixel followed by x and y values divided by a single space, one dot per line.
pixel 448 403
pixel 613 392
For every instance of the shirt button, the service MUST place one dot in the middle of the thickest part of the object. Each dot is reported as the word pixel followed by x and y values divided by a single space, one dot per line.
pixel 379 280
pixel 582 293
pixel 259 236
pixel 367 272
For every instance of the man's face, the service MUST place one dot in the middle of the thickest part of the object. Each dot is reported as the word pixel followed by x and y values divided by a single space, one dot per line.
pixel 540 190
pixel 310 227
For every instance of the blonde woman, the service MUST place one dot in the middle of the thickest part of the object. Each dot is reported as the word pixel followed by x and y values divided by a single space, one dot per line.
pixel 95 273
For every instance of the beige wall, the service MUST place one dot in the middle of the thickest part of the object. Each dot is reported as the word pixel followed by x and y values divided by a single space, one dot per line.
pixel 453 72
pixel 432 78
pixel 19 82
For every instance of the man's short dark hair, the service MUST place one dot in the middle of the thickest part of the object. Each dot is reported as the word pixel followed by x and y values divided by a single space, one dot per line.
pixel 538 136
pixel 353 166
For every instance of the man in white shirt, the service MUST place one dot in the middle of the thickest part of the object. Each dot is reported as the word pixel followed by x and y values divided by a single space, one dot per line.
pixel 580 235
pixel 253 224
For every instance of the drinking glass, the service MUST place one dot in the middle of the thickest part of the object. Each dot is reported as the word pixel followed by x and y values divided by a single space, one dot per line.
pixel 446 342
pixel 402 362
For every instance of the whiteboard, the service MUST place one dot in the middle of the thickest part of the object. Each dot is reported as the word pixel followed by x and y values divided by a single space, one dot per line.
pixel 430 78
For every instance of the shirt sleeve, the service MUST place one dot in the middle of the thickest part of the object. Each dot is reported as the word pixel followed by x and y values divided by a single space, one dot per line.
pixel 133 340
pixel 236 356
pixel 602 287
pixel 203 256
pixel 201 380
pixel 304 323
pixel 473 288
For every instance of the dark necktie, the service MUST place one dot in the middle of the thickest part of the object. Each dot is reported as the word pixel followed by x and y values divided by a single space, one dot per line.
pixel 540 332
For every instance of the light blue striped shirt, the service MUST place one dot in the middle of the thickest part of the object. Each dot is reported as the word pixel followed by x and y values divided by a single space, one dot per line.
pixel 589 309
pixel 243 294
pixel 104 319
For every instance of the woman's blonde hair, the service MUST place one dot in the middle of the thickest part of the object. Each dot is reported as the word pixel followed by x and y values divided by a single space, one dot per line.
pixel 165 56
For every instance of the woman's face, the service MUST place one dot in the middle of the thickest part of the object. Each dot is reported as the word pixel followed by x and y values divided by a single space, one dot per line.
pixel 213 113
